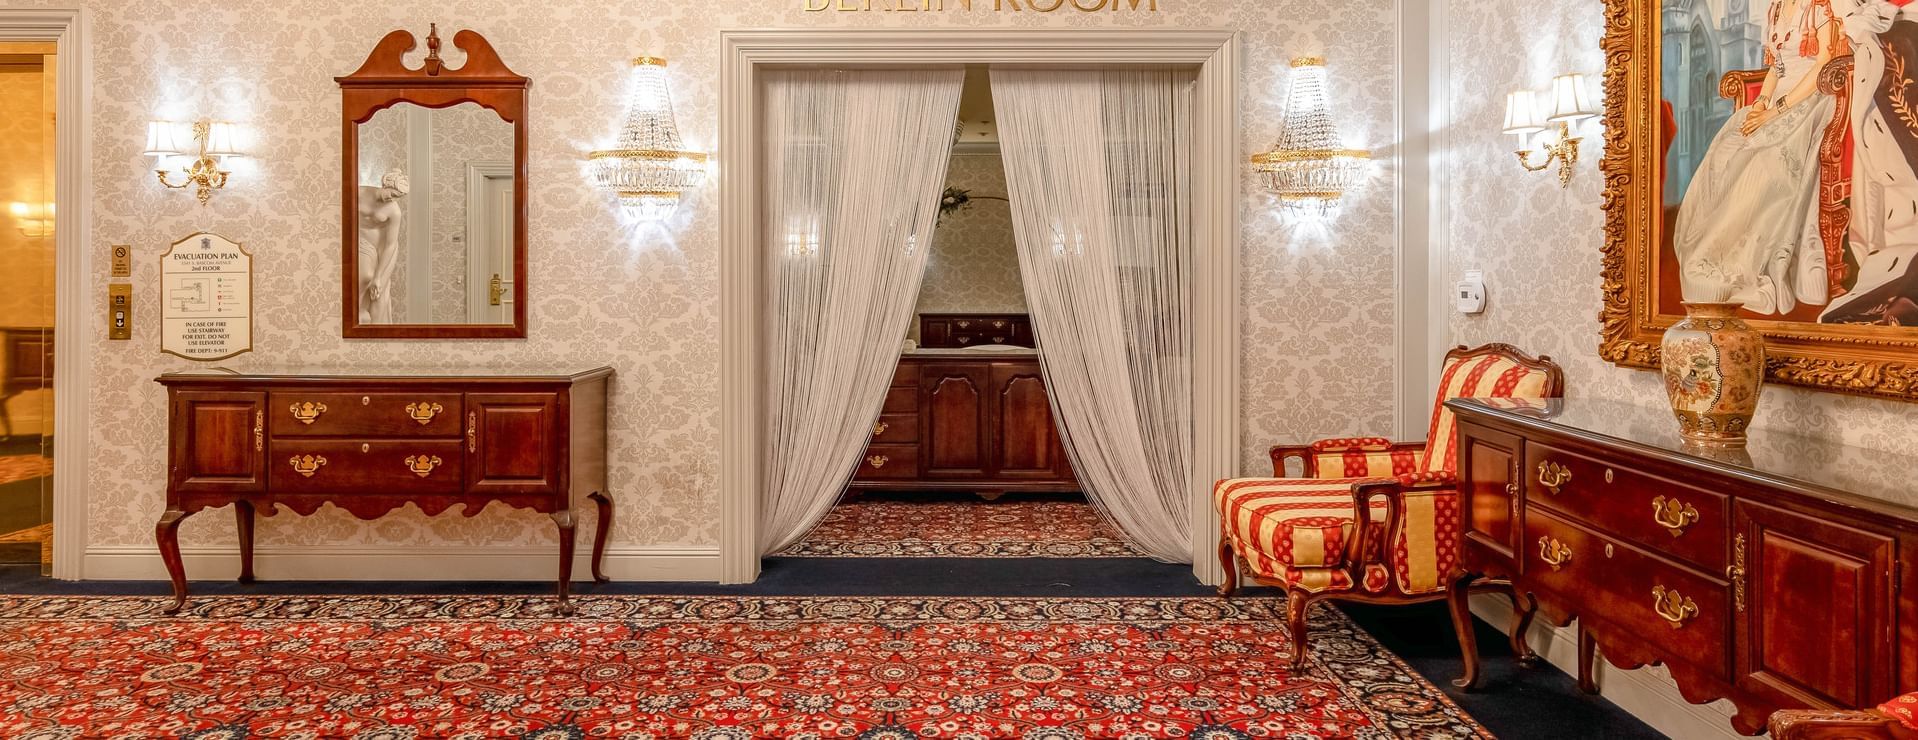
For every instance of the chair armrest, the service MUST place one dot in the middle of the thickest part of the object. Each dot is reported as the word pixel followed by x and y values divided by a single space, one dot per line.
pixel 1424 480
pixel 1837 724
pixel 1281 452
pixel 1310 455
pixel 1393 490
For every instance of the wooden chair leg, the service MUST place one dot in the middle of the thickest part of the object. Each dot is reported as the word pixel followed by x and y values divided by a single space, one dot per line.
pixel 1460 600
pixel 1297 603
pixel 1228 561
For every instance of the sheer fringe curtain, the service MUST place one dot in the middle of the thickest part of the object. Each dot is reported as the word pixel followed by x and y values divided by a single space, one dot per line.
pixel 1097 162
pixel 855 162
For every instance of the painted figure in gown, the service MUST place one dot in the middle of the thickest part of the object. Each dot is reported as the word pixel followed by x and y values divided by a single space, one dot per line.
pixel 379 248
pixel 1747 230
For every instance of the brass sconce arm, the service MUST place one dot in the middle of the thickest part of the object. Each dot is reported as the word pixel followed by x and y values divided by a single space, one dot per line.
pixel 1564 151
pixel 204 173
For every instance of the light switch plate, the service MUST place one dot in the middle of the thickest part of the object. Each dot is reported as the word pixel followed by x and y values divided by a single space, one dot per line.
pixel 120 311
pixel 122 261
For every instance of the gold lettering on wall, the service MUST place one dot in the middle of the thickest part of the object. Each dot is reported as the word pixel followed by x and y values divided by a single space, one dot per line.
pixel 1003 6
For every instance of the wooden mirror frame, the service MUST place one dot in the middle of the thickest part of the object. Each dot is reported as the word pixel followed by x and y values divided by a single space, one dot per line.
pixel 383 81
pixel 1862 359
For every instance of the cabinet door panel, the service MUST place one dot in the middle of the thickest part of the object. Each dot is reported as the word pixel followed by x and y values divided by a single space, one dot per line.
pixel 1490 502
pixel 1815 623
pixel 514 443
pixel 954 433
pixel 1026 445
pixel 218 442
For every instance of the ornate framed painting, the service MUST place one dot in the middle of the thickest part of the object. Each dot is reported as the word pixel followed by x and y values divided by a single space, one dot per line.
pixel 1765 152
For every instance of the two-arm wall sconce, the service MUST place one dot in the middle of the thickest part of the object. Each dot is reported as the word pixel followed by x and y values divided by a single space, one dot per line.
pixel 1526 117
pixel 216 142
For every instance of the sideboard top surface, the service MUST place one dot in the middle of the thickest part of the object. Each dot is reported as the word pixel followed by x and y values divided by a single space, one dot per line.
pixel 1882 482
pixel 464 374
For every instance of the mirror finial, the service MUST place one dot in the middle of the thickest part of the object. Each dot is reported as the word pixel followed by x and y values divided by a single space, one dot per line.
pixel 433 62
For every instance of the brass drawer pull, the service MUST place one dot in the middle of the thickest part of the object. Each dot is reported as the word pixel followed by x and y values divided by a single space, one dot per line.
pixel 1552 476
pixel 880 428
pixel 422 465
pixel 1673 515
pixel 307 465
pixel 423 412
pixel 878 461
pixel 1554 553
pixel 1673 607
pixel 307 411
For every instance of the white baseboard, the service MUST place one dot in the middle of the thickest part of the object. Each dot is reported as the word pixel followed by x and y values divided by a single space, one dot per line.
pixel 1647 693
pixel 308 563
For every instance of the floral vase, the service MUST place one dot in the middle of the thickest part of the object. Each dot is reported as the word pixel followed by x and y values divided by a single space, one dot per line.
pixel 1713 363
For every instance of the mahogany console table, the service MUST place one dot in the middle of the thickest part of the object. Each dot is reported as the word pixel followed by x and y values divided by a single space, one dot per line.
pixel 370 444
pixel 1779 576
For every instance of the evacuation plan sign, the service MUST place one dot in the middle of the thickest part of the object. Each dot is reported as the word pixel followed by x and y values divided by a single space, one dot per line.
pixel 206 298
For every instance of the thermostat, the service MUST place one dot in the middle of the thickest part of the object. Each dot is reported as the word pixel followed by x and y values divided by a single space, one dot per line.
pixel 1470 292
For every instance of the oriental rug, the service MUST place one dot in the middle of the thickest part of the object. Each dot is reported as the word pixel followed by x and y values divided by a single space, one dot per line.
pixel 701 668
pixel 1018 526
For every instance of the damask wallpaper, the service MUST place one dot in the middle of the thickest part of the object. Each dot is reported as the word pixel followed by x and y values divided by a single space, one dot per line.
pixel 1539 244
pixel 1317 302
pixel 974 265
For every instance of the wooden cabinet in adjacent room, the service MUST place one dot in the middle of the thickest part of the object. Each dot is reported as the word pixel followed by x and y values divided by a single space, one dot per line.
pixel 981 425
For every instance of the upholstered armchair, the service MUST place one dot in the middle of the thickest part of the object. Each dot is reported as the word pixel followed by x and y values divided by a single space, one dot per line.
pixel 1893 720
pixel 1300 533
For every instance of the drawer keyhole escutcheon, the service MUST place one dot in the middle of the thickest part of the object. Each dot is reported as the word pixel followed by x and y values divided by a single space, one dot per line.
pixel 1554 553
pixel 259 429
pixel 366 400
pixel 1608 475
pixel 1673 515
pixel 307 465
pixel 423 412
pixel 1736 571
pixel 1672 606
pixel 878 461
pixel 879 428
pixel 1608 550
pixel 472 431
pixel 422 465
pixel 1552 476
pixel 307 411
pixel 365 447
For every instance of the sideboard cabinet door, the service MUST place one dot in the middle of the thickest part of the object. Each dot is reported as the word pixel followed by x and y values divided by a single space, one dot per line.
pixel 513 443
pixel 219 442
pixel 953 405
pixel 1489 491
pixel 1026 442
pixel 1814 620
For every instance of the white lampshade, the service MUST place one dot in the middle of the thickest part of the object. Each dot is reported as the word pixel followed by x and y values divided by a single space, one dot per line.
pixel 1522 114
pixel 221 140
pixel 1570 104
pixel 162 139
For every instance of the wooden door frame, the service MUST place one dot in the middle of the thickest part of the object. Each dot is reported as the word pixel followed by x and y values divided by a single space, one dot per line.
pixel 74 316
pixel 1214 53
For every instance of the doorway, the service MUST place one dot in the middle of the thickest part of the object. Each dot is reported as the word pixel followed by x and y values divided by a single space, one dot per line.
pixel 1212 54
pixel 28 93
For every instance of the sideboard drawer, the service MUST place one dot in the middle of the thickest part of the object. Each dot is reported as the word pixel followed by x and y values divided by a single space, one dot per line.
pixel 1668 606
pixel 896 429
pixel 1664 516
pixel 295 414
pixel 901 401
pixel 889 462
pixel 386 466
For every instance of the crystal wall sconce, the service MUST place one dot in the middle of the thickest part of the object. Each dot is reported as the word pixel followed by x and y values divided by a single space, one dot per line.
pixel 1527 118
pixel 216 142
pixel 649 168
pixel 1310 169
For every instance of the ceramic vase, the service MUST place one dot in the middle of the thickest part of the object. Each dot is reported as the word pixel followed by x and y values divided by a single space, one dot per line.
pixel 1714 364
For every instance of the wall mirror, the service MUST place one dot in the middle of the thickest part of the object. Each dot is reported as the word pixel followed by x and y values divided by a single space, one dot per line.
pixel 434 195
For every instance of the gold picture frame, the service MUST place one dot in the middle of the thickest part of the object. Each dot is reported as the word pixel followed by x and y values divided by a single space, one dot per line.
pixel 1865 359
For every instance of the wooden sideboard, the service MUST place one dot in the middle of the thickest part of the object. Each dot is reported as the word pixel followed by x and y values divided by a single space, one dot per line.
pixel 1778 576
pixel 371 444
pixel 974 421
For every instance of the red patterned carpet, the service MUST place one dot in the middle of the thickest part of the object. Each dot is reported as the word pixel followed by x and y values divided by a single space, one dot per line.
pixel 1016 526
pixel 705 668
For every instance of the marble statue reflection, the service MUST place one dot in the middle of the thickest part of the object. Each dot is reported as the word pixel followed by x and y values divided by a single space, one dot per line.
pixel 380 220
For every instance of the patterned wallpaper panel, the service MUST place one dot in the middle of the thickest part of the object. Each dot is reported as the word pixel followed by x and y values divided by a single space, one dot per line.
pixel 1317 335
pixel 974 265
pixel 1539 244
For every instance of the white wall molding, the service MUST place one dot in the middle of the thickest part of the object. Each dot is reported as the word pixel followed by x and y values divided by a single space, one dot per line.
pixel 327 563
pixel 1647 693
pixel 75 313
pixel 1213 52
